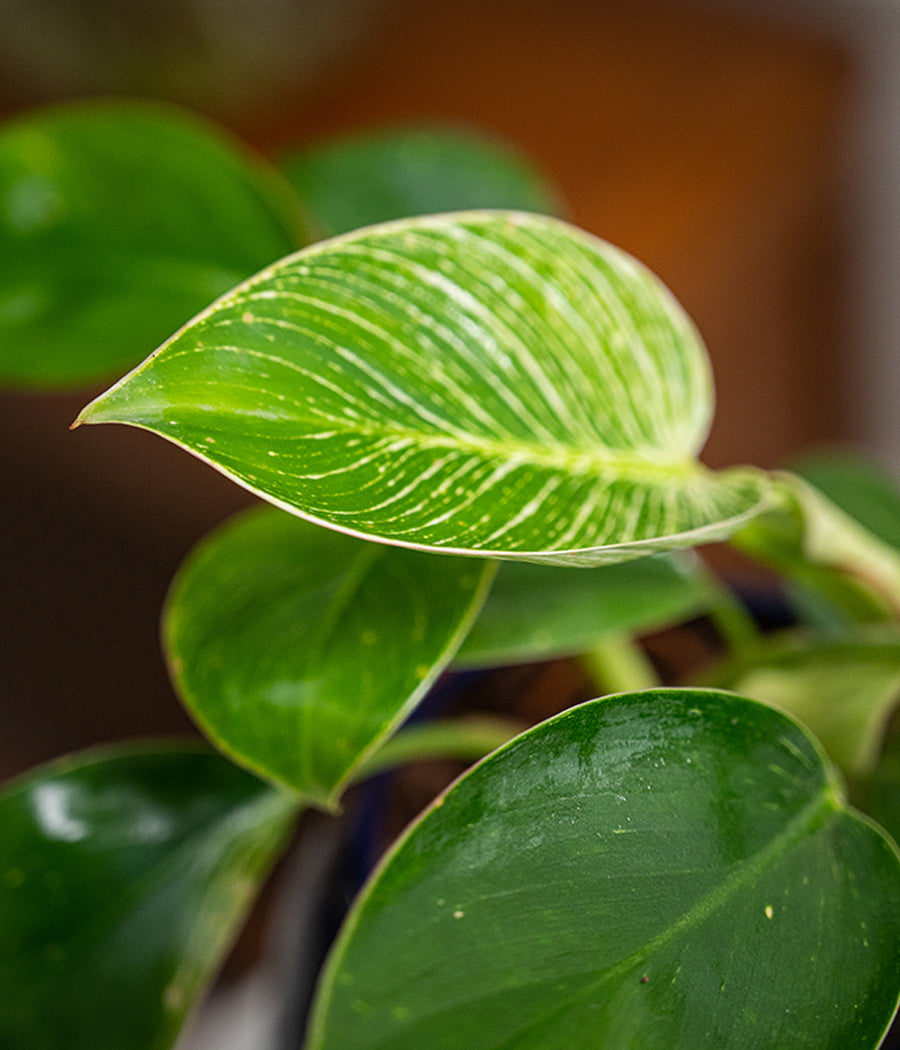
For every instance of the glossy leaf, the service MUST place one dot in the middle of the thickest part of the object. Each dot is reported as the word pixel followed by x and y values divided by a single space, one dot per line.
pixel 539 612
pixel 843 690
pixel 118 222
pixel 378 176
pixel 299 650
pixel 486 382
pixel 665 870
pixel 124 875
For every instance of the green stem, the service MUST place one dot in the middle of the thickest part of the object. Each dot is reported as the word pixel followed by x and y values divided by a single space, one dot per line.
pixel 734 624
pixel 617 664
pixel 465 739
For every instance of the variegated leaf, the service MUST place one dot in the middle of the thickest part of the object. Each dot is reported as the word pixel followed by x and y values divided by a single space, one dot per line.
pixel 492 383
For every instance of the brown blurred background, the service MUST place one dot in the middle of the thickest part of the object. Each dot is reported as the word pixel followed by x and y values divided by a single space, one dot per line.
pixel 713 141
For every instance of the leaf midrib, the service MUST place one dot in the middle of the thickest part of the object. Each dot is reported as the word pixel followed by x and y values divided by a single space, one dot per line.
pixel 316 663
pixel 817 812
pixel 652 464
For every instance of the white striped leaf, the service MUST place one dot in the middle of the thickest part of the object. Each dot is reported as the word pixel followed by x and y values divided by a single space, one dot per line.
pixel 492 383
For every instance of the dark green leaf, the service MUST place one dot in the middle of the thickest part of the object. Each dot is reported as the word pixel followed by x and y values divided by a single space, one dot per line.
pixel 374 177
pixel 666 870
pixel 118 222
pixel 538 612
pixel 124 875
pixel 299 650
pixel 489 383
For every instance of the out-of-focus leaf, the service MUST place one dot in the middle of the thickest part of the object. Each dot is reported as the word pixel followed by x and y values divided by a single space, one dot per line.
pixel 465 739
pixel 118 222
pixel 489 383
pixel 878 792
pixel 666 870
pixel 378 176
pixel 865 491
pixel 124 875
pixel 539 612
pixel 299 650
pixel 816 544
pixel 859 486
pixel 844 690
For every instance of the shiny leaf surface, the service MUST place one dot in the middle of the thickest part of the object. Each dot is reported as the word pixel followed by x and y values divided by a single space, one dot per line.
pixel 539 612
pixel 378 176
pixel 124 876
pixel 486 382
pixel 118 222
pixel 298 650
pixel 665 870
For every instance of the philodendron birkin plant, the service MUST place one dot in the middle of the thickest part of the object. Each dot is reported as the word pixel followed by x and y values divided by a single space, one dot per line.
pixel 475 436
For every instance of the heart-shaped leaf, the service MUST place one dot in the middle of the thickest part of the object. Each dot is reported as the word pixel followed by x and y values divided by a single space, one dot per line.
pixel 124 875
pixel 666 870
pixel 118 222
pixel 299 650
pixel 378 176
pixel 488 383
pixel 539 612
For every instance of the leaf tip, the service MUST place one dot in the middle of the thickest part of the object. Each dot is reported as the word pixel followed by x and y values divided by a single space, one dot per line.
pixel 93 412
pixel 84 417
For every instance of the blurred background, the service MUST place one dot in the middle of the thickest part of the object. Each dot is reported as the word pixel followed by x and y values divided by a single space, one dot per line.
pixel 748 151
